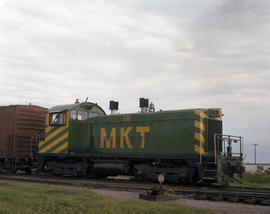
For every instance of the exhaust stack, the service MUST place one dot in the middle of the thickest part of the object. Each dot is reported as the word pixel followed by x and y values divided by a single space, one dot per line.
pixel 144 103
pixel 113 107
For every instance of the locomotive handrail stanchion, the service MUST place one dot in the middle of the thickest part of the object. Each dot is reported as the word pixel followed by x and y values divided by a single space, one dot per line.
pixel 215 146
pixel 241 148
pixel 224 146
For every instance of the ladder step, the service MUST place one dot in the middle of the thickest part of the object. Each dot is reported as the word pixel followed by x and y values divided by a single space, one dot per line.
pixel 208 178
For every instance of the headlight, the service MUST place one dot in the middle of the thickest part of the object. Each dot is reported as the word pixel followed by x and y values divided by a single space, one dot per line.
pixel 216 112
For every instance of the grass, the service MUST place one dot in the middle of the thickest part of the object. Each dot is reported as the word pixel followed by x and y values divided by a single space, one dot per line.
pixel 26 198
pixel 259 179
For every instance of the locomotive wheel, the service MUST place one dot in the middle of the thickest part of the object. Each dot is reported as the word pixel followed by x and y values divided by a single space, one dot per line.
pixel 192 175
pixel 11 170
pixel 2 167
pixel 28 171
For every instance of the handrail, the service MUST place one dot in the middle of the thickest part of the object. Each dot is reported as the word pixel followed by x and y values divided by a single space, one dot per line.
pixel 215 146
pixel 229 139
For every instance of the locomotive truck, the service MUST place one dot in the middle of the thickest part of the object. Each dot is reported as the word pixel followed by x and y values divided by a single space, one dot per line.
pixel 186 146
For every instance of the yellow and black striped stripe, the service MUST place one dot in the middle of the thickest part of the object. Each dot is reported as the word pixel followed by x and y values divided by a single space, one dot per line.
pixel 199 134
pixel 56 140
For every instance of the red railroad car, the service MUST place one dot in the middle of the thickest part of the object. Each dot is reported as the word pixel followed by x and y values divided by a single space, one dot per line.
pixel 21 128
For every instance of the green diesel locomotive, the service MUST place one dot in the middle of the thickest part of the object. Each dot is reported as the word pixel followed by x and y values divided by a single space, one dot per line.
pixel 186 146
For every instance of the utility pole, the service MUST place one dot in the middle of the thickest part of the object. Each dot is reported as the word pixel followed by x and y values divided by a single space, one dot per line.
pixel 255 144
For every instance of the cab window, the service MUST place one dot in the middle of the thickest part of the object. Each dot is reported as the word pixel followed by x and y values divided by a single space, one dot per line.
pixel 91 114
pixel 82 115
pixel 57 119
pixel 73 115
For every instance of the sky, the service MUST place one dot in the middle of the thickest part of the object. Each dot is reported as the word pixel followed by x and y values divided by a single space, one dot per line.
pixel 180 54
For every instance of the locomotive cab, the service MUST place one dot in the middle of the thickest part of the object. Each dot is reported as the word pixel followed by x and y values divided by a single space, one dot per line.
pixel 58 120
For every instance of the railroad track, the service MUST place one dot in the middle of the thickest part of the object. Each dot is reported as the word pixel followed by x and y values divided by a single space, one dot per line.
pixel 79 182
pixel 240 195
pixel 232 194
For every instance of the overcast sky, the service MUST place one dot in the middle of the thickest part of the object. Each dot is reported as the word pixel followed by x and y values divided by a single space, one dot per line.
pixel 178 53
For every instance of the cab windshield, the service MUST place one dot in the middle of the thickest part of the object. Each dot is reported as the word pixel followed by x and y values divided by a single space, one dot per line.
pixel 57 119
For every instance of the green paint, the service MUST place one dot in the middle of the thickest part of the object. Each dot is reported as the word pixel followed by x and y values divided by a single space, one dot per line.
pixel 171 132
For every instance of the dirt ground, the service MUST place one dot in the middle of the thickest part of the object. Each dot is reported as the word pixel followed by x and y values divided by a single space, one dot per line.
pixel 224 207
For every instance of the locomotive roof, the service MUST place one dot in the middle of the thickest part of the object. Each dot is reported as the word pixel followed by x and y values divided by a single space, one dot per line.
pixel 168 114
pixel 87 106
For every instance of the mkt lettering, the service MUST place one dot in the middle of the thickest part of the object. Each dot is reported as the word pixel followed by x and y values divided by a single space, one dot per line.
pixel 108 140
